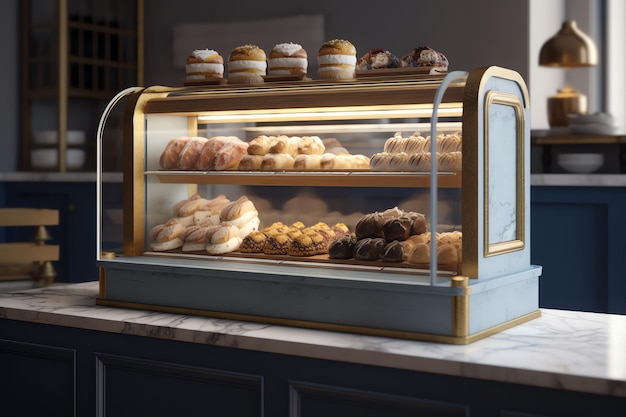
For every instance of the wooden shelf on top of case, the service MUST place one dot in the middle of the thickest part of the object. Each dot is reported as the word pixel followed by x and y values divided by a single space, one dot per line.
pixel 363 178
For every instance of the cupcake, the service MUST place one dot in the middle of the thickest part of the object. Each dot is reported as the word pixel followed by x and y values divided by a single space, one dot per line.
pixel 247 64
pixel 204 64
pixel 337 60
pixel 287 59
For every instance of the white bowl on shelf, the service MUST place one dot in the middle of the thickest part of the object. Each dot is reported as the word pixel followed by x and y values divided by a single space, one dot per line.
pixel 47 158
pixel 580 163
pixel 51 137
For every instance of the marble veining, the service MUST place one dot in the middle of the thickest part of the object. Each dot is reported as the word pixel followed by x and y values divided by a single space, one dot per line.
pixel 570 350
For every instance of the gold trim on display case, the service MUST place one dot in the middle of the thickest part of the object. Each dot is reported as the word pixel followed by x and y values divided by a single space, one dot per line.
pixel 495 248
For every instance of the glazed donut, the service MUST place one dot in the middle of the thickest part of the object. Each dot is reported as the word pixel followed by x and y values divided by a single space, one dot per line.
pixel 377 58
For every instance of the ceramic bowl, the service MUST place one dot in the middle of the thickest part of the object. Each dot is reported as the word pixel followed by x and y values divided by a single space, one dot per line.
pixel 581 163
pixel 51 137
pixel 47 158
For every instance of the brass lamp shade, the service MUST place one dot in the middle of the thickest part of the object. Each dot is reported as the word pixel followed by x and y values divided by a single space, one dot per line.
pixel 569 48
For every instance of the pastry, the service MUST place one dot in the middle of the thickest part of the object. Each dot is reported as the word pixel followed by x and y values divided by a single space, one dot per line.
pixel 418 225
pixel 206 218
pixel 287 59
pixel 225 239
pixel 253 242
pixel 377 58
pixel 167 236
pixel 424 56
pixel 393 252
pixel 250 162
pixel 209 150
pixel 307 245
pixel 196 237
pixel 276 244
pixel 261 145
pixel 277 161
pixel 332 161
pixel 369 249
pixel 228 156
pixel 204 64
pixel 307 162
pixel 380 161
pixel 337 60
pixel 285 144
pixel 248 227
pixel 247 64
pixel 370 225
pixel 239 212
pixel 450 161
pixel 169 156
pixel 398 228
pixel 342 248
pixel 420 254
pixel 311 145
pixel 188 156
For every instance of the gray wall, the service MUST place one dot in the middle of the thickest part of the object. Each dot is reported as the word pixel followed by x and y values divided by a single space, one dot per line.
pixel 470 33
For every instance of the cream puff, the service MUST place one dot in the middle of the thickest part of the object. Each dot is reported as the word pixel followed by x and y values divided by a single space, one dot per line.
pixel 337 60
pixel 204 64
pixel 247 64
pixel 287 59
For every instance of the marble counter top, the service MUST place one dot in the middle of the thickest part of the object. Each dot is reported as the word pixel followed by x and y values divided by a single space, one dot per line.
pixel 569 350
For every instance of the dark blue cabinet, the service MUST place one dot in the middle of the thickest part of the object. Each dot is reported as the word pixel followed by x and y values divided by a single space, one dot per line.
pixel 76 233
pixel 578 235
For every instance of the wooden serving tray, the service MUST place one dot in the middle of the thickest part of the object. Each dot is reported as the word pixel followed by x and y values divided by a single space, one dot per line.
pixel 208 81
pixel 388 72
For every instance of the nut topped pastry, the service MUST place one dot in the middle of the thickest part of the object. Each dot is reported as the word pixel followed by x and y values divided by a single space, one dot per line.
pixel 337 60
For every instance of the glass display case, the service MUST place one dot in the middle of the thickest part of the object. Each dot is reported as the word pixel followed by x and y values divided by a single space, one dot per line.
pixel 387 205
